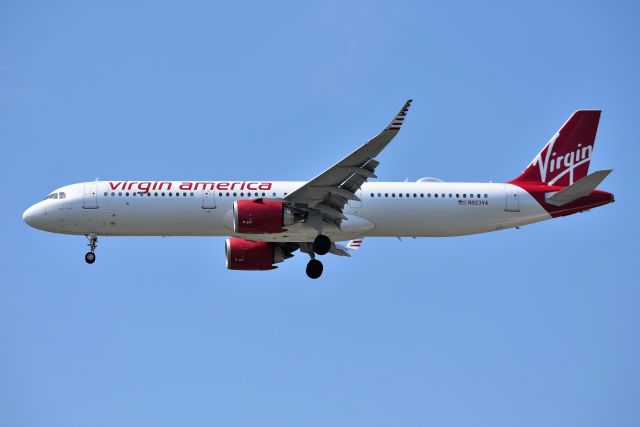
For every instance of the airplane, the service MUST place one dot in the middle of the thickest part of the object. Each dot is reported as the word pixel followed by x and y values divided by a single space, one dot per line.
pixel 267 221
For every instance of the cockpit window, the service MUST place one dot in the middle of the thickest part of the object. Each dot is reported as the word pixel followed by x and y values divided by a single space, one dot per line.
pixel 61 195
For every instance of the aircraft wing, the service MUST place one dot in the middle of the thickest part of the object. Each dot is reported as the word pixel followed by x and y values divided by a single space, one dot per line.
pixel 329 192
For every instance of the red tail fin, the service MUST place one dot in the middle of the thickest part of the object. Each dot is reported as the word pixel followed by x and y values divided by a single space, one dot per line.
pixel 565 159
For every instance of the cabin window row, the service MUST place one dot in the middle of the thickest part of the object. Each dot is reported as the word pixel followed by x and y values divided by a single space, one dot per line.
pixel 148 194
pixel 434 195
pixel 248 194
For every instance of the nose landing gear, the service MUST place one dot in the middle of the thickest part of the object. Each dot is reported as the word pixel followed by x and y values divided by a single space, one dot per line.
pixel 90 257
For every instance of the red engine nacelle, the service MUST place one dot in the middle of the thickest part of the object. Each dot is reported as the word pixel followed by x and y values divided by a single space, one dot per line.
pixel 261 216
pixel 247 255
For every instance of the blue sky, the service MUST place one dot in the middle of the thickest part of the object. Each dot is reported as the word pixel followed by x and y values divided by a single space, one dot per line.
pixel 529 327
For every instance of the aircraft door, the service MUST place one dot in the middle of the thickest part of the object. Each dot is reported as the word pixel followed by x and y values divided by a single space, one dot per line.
pixel 512 198
pixel 208 199
pixel 90 196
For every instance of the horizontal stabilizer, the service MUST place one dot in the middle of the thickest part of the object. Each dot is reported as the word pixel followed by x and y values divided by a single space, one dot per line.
pixel 582 188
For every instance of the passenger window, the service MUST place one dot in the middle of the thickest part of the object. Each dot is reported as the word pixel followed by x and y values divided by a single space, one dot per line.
pixel 415 195
pixel 105 193
pixel 429 195
pixel 371 194
pixel 264 194
pixel 408 195
pixel 155 194
pixel 421 194
pixel 227 194
pixel 274 194
pixel 386 194
pixel 435 195
pixel 464 196
pixel 393 194
pixel 450 195
pixel 120 194
pixel 486 196
pixel 478 196
pixel 399 194
pixel 235 194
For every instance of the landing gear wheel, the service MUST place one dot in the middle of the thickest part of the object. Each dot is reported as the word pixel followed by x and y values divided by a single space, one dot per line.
pixel 90 257
pixel 314 269
pixel 321 244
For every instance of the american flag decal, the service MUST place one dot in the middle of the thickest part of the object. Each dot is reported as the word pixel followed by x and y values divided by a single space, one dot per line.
pixel 397 121
pixel 354 244
pixel 462 202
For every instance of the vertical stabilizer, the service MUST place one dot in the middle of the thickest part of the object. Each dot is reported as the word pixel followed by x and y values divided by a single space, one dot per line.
pixel 565 159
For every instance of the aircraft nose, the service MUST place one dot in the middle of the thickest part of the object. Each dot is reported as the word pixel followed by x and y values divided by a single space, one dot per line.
pixel 32 216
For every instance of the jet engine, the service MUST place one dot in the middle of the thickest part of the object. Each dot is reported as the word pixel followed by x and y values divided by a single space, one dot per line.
pixel 247 255
pixel 261 216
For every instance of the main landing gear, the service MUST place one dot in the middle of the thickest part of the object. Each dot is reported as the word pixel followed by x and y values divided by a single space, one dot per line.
pixel 321 246
pixel 90 257
pixel 314 268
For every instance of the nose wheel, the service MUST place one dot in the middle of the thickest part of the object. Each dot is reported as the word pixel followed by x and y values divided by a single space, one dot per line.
pixel 90 257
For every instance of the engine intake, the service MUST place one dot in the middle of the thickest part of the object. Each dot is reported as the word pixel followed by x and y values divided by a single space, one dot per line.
pixel 261 216
pixel 247 255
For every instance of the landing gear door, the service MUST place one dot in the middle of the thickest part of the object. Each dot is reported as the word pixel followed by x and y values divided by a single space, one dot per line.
pixel 208 199
pixel 90 196
pixel 512 198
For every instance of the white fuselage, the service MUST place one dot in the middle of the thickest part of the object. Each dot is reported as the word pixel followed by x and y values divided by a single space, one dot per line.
pixel 420 209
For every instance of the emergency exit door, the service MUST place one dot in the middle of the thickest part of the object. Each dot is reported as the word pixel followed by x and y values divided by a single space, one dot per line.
pixel 208 199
